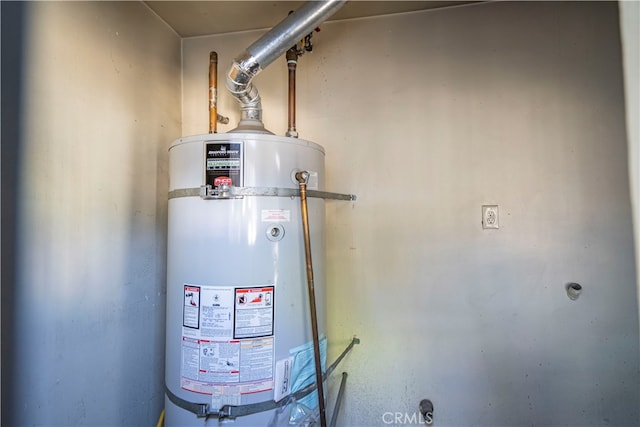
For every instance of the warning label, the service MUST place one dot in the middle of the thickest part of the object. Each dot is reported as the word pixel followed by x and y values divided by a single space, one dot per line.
pixel 257 361
pixel 275 215
pixel 253 312
pixel 191 309
pixel 227 341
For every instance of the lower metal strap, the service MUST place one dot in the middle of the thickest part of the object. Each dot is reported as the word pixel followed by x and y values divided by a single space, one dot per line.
pixel 204 410
pixel 207 192
pixel 200 409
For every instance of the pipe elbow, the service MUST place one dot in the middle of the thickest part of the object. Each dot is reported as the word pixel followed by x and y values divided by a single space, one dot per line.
pixel 239 81
pixel 242 71
pixel 266 49
pixel 238 76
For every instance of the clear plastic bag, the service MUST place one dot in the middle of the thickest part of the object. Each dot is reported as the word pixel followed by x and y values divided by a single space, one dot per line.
pixel 294 414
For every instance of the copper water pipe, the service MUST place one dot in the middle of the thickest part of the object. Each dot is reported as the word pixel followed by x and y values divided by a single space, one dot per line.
pixel 292 62
pixel 213 92
pixel 302 177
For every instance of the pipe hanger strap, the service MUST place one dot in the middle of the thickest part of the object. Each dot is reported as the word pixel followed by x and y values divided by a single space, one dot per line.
pixel 207 192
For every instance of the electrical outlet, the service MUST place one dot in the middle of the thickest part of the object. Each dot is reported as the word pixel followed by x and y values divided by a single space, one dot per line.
pixel 490 218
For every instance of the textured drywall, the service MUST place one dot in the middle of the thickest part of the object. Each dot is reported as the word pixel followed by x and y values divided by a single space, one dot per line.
pixel 100 103
pixel 426 117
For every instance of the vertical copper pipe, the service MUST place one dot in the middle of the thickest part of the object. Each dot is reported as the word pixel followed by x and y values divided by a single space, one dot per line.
pixel 302 178
pixel 292 62
pixel 213 92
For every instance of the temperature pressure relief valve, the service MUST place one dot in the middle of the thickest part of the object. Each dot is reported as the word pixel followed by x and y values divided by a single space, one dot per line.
pixel 302 177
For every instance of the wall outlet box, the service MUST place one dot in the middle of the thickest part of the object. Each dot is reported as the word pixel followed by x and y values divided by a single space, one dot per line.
pixel 490 217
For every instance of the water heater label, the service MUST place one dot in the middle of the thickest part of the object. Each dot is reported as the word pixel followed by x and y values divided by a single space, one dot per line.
pixel 275 215
pixel 253 312
pixel 227 341
pixel 191 309
pixel 223 163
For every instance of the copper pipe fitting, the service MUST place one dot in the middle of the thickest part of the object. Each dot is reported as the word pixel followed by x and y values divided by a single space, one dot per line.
pixel 292 62
pixel 213 92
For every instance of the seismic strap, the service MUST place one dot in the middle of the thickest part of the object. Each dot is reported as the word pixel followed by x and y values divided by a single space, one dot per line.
pixel 204 410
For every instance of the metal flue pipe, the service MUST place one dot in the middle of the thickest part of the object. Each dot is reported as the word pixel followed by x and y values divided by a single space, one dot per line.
pixel 265 50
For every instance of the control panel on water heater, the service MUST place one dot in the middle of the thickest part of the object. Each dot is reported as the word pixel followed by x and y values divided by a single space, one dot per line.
pixel 223 164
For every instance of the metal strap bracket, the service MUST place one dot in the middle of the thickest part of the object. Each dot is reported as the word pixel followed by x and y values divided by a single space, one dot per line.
pixel 207 192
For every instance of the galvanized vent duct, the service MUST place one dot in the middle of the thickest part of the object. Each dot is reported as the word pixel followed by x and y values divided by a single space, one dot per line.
pixel 264 51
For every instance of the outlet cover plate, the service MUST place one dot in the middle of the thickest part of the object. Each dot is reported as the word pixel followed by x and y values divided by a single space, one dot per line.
pixel 490 217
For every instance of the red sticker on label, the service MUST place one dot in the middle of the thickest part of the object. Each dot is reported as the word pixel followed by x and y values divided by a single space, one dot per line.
pixel 222 180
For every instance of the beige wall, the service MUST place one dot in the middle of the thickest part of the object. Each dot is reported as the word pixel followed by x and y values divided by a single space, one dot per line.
pixel 630 36
pixel 426 117
pixel 100 104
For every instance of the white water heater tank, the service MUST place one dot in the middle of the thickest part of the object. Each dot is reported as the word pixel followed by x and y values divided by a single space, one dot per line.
pixel 237 300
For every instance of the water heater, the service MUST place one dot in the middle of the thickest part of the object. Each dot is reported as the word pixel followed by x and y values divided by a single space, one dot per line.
pixel 237 322
pixel 245 324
